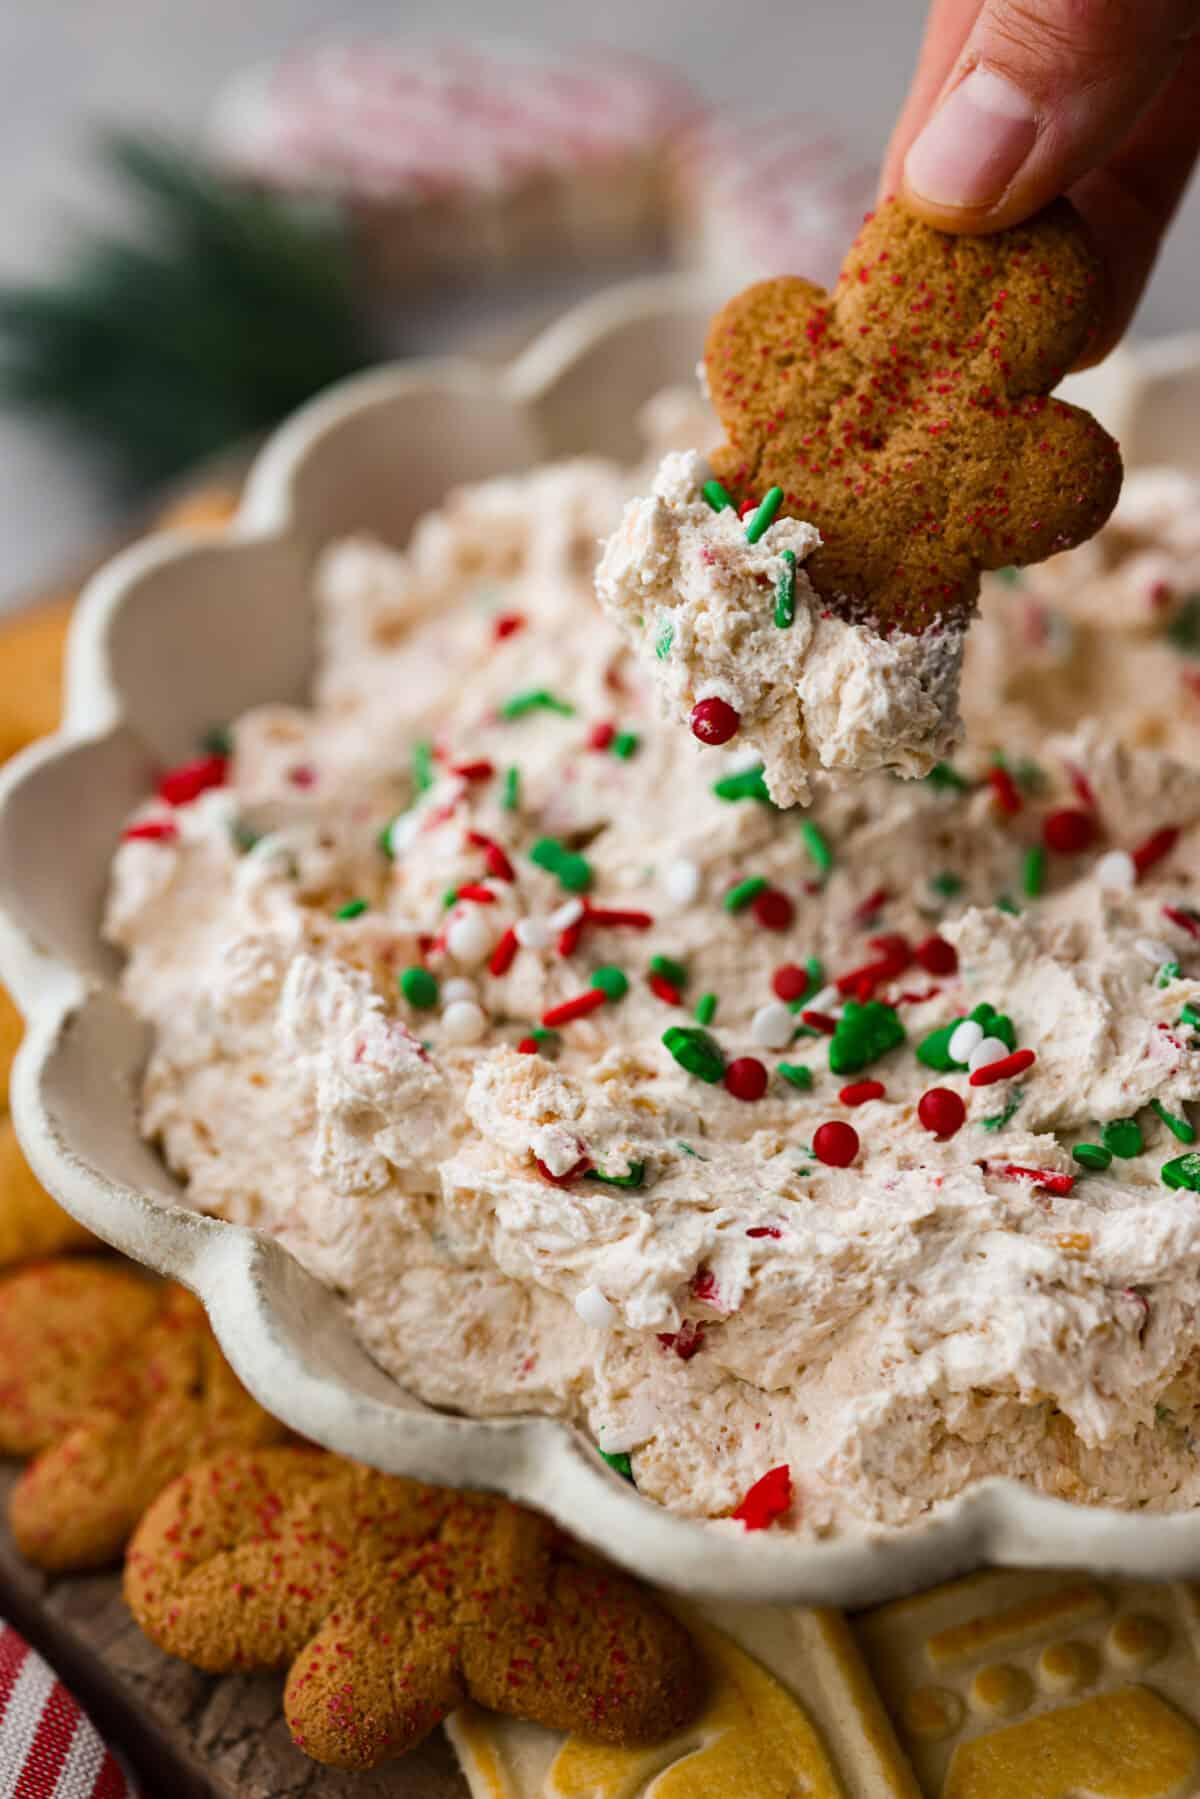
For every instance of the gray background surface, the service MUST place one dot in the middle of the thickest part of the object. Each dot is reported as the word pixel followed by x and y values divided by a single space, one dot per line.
pixel 64 63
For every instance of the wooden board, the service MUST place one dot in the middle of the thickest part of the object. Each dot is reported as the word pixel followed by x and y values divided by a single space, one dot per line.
pixel 188 1735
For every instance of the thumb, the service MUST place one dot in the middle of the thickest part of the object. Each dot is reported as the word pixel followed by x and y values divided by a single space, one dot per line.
pixel 1042 92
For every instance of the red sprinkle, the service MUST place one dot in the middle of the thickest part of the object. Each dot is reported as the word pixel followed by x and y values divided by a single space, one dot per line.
pixel 614 917
pixel 1041 1177
pixel 665 990
pixel 789 981
pixel 573 1173
pixel 936 956
pixel 746 1078
pixel 503 957
pixel 704 1285
pixel 498 864
pixel 1084 791
pixel 528 1046
pixel 305 775
pixel 600 736
pixel 570 1009
pixel 568 937
pixel 873 903
pixel 1187 921
pixel 154 830
pixel 941 1111
pixel 764 1230
pixel 714 721
pixel 819 1021
pixel 1005 789
pixel 857 1093
pixel 506 623
pixel 773 910
pixel 835 1143
pixel 767 1499
pixel 895 956
pixel 686 1341
pixel 475 890
pixel 747 507
pixel 1069 830
pixel 1004 1069
pixel 473 771
pixel 187 782
pixel 1155 848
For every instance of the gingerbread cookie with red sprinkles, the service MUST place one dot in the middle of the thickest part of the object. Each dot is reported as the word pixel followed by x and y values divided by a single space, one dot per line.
pixel 392 1603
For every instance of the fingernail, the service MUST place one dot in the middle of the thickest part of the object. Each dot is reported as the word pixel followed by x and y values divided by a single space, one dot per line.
pixel 974 144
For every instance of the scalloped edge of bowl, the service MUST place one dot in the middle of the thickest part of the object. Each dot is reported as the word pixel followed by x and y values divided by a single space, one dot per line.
pixel 74 1082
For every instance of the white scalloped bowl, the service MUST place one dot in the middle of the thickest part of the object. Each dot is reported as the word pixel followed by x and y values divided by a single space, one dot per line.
pixel 178 631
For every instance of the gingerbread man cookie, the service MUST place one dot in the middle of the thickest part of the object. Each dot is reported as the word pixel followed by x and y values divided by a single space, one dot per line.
pixel 806 592
pixel 393 1602
pixel 114 1384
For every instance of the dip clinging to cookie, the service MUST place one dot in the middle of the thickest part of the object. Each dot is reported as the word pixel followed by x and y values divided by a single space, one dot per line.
pixel 905 419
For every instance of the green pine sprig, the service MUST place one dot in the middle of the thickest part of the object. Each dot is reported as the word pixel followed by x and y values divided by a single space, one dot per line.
pixel 214 316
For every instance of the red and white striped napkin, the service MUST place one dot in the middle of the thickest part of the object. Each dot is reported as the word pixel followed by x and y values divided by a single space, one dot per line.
pixel 49 1747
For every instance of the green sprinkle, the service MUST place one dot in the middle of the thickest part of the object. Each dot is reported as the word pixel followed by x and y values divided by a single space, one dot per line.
pixel 1033 874
pixel 934 1050
pixel 383 841
pixel 573 871
pixel 669 969
pixel 1184 628
pixel 547 1041
pixel 817 845
pixel 1006 903
pixel 537 699
pixel 695 1051
pixel 1189 1015
pixel 1163 1413
pixel 814 969
pixel 1029 775
pixel 759 521
pixel 1092 1155
pixel 743 892
pixel 1010 576
pixel 625 744
pixel 748 784
pixel 511 797
pixel 785 591
pixel 1177 1125
pixel 689 1151
pixel 419 987
pixel 244 836
pixel 620 1464
pixel 1123 1136
pixel 448 898
pixel 663 642
pixel 796 1074
pixel 996 1121
pixel 706 1008
pixel 612 981
pixel 422 765
pixel 863 1034
pixel 716 496
pixel 942 777
pixel 633 1177
pixel 217 740
pixel 1184 1171
pixel 946 884
pixel 352 909
pixel 1170 971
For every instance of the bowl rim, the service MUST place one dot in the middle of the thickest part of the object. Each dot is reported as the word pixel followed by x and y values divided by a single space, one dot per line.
pixel 239 1274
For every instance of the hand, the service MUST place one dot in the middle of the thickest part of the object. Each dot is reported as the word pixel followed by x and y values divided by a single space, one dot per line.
pixel 1016 101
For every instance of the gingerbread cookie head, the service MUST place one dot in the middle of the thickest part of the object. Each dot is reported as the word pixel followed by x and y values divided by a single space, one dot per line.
pixel 906 414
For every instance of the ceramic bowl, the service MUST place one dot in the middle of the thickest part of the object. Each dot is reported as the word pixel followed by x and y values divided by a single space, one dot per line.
pixel 178 631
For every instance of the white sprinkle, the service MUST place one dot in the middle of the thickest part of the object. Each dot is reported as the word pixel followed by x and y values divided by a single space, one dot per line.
pixel 532 933
pixel 772 1026
pixel 964 1041
pixel 463 1022
pixel 458 987
pixel 682 881
pixel 989 1050
pixel 1116 870
pixel 594 1309
pixel 566 915
pixel 468 937
pixel 1153 951
pixel 402 830
pixel 824 1001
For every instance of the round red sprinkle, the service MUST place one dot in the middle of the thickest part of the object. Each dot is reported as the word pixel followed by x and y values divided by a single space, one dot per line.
pixel 773 910
pixel 789 982
pixel 941 1111
pixel 746 1078
pixel 714 721
pixel 936 956
pixel 506 623
pixel 601 735
pixel 1069 830
pixel 857 1093
pixel 528 1046
pixel 835 1144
